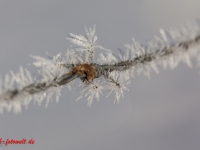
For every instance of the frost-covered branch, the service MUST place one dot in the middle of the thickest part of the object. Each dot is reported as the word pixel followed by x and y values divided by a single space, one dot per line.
pixel 172 47
pixel 38 87
pixel 159 54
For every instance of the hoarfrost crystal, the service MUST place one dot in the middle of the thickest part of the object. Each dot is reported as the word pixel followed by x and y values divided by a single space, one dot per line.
pixel 91 90
pixel 117 85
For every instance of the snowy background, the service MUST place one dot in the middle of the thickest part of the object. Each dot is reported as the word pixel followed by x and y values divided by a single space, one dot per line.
pixel 160 113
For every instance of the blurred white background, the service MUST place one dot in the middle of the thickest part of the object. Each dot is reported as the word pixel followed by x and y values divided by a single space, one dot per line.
pixel 160 113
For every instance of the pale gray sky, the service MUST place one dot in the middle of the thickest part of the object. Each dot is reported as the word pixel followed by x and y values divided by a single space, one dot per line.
pixel 160 113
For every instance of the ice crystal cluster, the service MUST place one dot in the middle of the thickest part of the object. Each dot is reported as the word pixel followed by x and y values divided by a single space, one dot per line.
pixel 110 72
